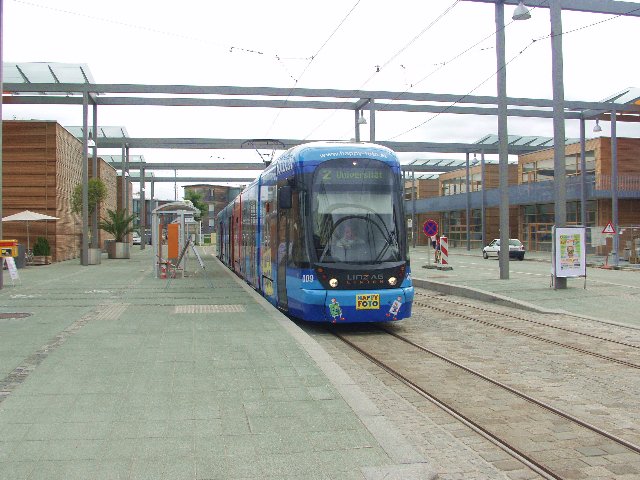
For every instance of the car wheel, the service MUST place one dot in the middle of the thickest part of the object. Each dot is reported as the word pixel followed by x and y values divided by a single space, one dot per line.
pixel 521 257
pixel 484 255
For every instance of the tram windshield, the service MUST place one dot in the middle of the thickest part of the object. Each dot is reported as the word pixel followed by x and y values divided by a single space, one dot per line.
pixel 355 212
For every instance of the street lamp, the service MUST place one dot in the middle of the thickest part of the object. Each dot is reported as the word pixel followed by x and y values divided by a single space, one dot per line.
pixel 597 128
pixel 521 12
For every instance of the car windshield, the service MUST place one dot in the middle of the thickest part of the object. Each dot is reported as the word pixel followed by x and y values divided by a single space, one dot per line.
pixel 515 243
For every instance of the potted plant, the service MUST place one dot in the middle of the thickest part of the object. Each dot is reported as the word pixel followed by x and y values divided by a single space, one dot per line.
pixel 97 192
pixel 41 252
pixel 118 224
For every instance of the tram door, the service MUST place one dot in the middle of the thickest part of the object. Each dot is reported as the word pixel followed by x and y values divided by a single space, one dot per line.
pixel 283 256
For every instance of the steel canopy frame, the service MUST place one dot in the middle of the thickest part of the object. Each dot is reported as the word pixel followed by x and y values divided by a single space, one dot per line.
pixel 613 7
pixel 354 100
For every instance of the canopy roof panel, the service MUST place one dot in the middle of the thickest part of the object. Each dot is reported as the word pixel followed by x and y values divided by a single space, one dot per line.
pixel 518 140
pixel 46 72
pixel 630 95
pixel 103 132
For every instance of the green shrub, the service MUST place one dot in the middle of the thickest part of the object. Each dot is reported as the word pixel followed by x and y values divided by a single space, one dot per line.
pixel 118 224
pixel 97 191
pixel 42 247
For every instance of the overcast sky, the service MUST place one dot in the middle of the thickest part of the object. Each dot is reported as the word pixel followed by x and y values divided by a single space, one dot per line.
pixel 434 46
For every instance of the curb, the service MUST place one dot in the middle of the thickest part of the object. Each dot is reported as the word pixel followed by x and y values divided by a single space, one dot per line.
pixel 483 296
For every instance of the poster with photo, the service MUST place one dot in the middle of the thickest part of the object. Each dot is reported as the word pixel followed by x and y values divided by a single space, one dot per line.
pixel 570 252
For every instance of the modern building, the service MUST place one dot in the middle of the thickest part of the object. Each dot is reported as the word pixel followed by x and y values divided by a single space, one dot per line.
pixel 42 165
pixel 216 197
pixel 531 197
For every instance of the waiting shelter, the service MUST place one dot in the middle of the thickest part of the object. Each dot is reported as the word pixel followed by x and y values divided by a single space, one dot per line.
pixel 170 234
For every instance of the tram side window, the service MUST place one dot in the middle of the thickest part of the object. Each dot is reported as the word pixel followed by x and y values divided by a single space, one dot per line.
pixel 298 256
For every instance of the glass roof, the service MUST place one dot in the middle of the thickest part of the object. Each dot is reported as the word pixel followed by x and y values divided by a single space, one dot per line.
pixel 136 174
pixel 518 140
pixel 441 162
pixel 103 132
pixel 118 158
pixel 46 72
pixel 626 96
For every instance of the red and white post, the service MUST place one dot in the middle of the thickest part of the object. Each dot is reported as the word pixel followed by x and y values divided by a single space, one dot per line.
pixel 444 251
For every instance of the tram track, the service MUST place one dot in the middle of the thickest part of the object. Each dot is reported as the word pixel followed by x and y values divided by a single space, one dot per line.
pixel 598 342
pixel 512 419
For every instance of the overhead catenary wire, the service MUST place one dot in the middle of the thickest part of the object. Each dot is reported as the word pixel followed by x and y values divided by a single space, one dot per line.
pixel 378 68
pixel 532 42
pixel 227 47
pixel 313 57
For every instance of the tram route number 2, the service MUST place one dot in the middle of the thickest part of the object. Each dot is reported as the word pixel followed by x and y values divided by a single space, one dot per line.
pixel 370 301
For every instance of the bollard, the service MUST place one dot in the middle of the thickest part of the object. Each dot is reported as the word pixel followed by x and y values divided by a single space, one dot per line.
pixel 444 251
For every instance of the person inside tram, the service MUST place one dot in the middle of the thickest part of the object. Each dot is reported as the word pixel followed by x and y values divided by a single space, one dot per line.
pixel 350 246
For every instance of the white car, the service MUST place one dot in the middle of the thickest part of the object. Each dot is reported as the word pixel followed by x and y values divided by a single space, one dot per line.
pixel 516 249
pixel 137 240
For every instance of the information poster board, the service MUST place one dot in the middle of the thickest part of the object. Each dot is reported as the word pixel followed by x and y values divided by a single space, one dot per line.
pixel 570 253
pixel 11 266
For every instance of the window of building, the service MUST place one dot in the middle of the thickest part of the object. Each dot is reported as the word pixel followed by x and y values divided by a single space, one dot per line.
pixel 542 170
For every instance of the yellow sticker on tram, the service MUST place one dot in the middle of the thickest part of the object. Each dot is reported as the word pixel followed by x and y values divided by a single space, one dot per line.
pixel 368 301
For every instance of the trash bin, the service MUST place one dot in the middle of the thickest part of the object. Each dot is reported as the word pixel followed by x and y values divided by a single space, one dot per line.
pixel 21 259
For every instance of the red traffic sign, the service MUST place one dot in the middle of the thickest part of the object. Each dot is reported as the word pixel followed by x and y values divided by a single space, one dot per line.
pixel 430 228
pixel 609 228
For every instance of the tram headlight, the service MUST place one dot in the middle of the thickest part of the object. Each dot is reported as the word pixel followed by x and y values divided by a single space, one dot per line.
pixel 393 281
pixel 333 282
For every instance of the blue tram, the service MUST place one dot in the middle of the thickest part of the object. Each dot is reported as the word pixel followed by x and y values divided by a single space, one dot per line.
pixel 321 234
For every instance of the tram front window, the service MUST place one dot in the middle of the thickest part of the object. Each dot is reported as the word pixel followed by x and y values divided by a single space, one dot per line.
pixel 354 217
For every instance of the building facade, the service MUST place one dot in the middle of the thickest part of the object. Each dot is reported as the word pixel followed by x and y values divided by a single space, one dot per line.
pixel 216 197
pixel 531 198
pixel 42 165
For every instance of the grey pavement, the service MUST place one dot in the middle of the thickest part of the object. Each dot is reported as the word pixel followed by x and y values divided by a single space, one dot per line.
pixel 611 295
pixel 107 374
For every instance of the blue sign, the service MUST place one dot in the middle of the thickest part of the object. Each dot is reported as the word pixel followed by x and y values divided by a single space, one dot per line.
pixel 430 228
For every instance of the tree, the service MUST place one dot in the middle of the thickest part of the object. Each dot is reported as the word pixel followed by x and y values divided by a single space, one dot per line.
pixel 118 224
pixel 97 193
pixel 196 199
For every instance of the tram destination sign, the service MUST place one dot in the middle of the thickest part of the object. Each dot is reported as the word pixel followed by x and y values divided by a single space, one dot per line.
pixel 354 175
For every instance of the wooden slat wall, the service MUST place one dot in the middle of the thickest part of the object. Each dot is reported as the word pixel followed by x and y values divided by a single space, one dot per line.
pixel 628 156
pixel 42 164
pixel 110 178
pixel 34 154
pixel 491 174
pixel 68 174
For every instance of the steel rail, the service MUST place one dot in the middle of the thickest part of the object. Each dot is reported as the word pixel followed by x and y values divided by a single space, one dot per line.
pixel 514 452
pixel 530 335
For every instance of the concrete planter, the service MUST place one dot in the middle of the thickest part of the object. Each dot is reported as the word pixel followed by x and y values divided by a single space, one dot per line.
pixel 95 256
pixel 41 260
pixel 118 250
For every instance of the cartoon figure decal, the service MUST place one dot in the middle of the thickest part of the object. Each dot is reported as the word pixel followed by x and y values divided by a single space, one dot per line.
pixel 335 311
pixel 395 308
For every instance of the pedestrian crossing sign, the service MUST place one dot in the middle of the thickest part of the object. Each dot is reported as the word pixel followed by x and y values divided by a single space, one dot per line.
pixel 609 228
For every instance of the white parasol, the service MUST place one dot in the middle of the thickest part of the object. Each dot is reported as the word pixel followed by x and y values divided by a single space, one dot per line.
pixel 28 216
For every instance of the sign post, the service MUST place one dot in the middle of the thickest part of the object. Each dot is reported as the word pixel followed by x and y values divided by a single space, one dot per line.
pixel 609 230
pixel 430 229
pixel 569 253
